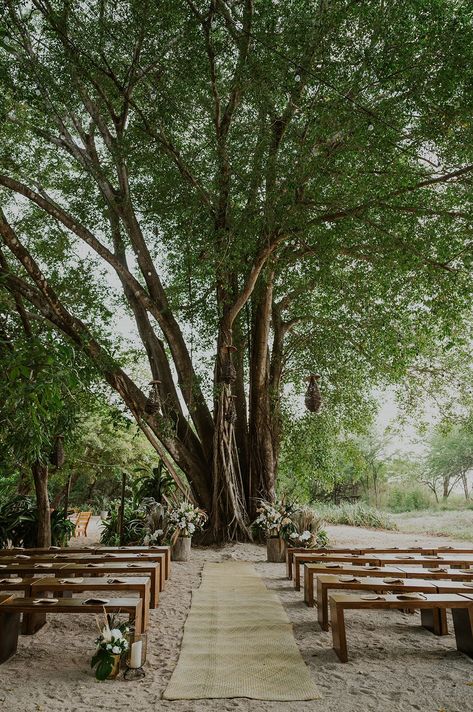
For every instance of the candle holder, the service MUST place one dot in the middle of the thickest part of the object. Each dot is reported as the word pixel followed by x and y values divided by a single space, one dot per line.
pixel 133 673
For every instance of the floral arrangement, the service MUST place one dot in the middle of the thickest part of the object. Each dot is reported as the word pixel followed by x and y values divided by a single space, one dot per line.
pixel 185 520
pixel 154 538
pixel 112 641
pixel 308 531
pixel 275 518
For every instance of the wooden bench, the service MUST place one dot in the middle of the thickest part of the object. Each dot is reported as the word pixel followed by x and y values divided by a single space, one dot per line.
pixel 9 626
pixel 79 568
pixel 90 550
pixel 59 587
pixel 433 609
pixel 398 560
pixel 44 561
pixel 313 570
pixel 82 522
pixel 299 559
pixel 141 568
pixel 328 582
pixel 11 608
pixel 368 550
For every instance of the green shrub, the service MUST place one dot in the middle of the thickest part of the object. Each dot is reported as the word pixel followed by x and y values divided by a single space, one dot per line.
pixel 355 515
pixel 407 500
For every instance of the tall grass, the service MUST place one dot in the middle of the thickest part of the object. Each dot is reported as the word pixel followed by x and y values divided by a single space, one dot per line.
pixel 355 515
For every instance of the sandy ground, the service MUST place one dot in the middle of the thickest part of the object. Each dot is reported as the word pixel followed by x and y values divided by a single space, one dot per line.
pixel 395 665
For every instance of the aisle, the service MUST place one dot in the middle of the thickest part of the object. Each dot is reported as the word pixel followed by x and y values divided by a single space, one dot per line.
pixel 238 642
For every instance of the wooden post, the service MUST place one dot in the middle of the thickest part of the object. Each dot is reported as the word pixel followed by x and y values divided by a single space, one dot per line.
pixel 122 509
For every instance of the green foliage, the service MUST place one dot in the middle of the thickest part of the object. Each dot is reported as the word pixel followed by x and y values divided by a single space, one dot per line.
pixel 355 515
pixel 157 484
pixel 400 499
pixel 19 522
pixel 134 524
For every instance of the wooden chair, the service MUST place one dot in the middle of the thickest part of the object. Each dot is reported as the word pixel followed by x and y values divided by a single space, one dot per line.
pixel 82 522
pixel 433 609
pixel 11 608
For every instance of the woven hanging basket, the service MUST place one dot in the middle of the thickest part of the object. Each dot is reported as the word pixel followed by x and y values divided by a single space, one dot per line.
pixel 229 373
pixel 313 399
pixel 57 457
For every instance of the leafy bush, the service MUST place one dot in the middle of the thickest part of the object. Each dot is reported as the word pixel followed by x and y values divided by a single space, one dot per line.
pixel 407 500
pixel 19 522
pixel 355 515
pixel 134 524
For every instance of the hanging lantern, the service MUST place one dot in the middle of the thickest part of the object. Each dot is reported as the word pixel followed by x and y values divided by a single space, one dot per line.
pixel 153 402
pixel 228 370
pixel 313 399
pixel 231 414
pixel 57 456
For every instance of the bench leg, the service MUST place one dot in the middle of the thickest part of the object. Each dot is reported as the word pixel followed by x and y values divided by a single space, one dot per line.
pixel 322 605
pixel 32 622
pixel 463 624
pixel 435 620
pixel 297 576
pixel 339 637
pixel 146 604
pixel 288 566
pixel 309 588
pixel 9 630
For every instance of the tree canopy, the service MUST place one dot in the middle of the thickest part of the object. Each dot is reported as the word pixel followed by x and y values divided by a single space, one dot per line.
pixel 277 187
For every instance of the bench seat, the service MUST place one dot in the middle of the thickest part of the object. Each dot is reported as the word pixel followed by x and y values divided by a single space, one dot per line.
pixel 433 607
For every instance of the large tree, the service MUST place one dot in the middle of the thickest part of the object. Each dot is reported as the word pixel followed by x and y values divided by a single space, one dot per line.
pixel 276 185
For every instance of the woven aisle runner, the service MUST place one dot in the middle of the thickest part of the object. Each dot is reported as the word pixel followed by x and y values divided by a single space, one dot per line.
pixel 238 642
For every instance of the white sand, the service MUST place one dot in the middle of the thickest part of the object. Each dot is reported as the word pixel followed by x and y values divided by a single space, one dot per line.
pixel 395 665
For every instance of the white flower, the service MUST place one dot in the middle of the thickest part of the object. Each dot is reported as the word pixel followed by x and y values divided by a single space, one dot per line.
pixel 116 650
pixel 109 646
pixel 294 535
pixel 158 532
pixel 116 633
pixel 305 536
pixel 191 528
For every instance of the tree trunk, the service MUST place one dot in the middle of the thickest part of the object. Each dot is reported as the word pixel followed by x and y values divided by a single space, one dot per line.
pixel 446 491
pixel 465 485
pixel 262 461
pixel 40 476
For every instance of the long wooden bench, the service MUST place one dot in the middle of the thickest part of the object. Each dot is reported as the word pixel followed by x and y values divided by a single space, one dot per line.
pixel 327 583
pixel 428 551
pixel 433 608
pixel 44 561
pixel 60 586
pixel 89 550
pixel 11 609
pixel 457 561
pixel 313 570
pixel 112 568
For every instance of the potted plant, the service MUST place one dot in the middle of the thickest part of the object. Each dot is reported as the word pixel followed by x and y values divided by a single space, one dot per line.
pixel 112 643
pixel 274 520
pixel 308 532
pixel 184 521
